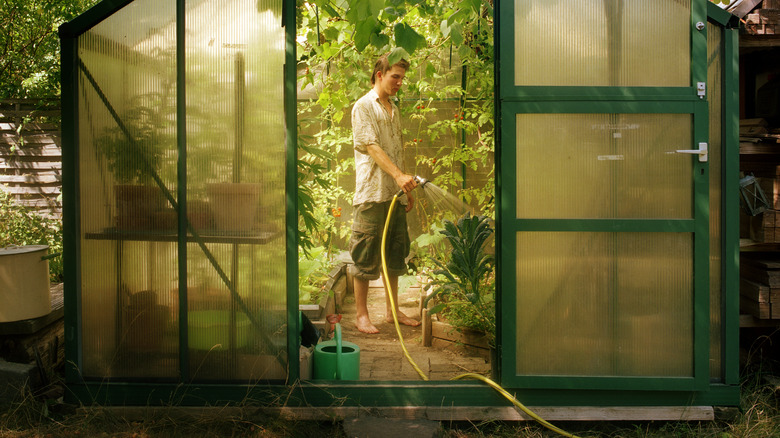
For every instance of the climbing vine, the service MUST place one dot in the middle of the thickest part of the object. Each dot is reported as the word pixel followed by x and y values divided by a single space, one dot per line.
pixel 446 103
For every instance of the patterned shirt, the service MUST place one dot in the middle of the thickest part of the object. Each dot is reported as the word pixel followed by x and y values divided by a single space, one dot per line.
pixel 373 124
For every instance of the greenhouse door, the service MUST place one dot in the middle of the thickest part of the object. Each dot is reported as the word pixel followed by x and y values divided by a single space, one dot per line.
pixel 603 187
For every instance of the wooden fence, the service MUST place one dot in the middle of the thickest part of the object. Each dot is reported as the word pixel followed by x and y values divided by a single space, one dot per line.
pixel 31 154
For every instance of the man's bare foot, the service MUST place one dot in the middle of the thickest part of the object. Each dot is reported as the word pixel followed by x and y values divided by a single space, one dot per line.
pixel 402 319
pixel 364 325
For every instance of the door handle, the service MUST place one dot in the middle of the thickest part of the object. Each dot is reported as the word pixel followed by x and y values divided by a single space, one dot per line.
pixel 701 152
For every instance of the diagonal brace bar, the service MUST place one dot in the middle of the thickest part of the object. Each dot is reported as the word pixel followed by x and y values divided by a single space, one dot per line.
pixel 169 196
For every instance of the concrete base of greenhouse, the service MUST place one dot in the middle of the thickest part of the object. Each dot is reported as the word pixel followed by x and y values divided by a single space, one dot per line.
pixel 439 413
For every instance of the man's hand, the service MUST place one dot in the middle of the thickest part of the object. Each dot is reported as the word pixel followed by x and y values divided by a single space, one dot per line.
pixel 406 182
pixel 410 204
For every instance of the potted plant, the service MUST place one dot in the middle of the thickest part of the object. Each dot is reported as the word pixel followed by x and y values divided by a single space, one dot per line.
pixel 463 286
pixel 135 154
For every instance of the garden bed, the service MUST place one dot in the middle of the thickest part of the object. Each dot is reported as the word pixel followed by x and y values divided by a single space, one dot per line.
pixel 442 335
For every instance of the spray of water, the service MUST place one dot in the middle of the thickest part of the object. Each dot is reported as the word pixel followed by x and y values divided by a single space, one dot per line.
pixel 441 201
pixel 432 205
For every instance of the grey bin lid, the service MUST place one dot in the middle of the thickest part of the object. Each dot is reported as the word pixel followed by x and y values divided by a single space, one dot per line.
pixel 13 250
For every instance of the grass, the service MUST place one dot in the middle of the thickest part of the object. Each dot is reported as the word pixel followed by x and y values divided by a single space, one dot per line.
pixel 757 416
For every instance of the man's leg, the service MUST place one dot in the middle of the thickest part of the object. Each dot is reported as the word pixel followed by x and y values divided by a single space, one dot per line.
pixel 362 320
pixel 402 319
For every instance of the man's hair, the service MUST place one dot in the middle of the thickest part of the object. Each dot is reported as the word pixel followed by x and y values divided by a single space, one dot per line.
pixel 383 65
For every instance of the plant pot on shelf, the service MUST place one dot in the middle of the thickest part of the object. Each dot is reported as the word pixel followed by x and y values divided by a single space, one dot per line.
pixel 234 205
pixel 137 206
pixel 200 216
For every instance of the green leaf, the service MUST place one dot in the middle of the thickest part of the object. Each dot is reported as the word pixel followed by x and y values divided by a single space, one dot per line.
pixel 392 12
pixel 329 9
pixel 331 34
pixel 408 38
pixel 363 32
pixel 397 54
pixel 445 28
pixel 437 308
pixel 379 40
pixel 456 34
pixel 430 70
pixel 474 5
pixel 375 7
pixel 464 51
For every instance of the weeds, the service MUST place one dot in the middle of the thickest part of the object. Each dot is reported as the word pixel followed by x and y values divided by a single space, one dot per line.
pixel 31 416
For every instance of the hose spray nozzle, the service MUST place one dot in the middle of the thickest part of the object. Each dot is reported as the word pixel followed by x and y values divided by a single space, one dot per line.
pixel 420 180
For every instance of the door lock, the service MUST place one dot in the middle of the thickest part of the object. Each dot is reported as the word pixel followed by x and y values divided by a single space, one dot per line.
pixel 701 152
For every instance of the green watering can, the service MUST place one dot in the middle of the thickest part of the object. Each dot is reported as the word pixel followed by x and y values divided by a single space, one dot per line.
pixel 337 359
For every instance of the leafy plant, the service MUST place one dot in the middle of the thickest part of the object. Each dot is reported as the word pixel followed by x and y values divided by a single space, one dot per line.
pixel 464 283
pixel 20 226
pixel 313 270
pixel 136 154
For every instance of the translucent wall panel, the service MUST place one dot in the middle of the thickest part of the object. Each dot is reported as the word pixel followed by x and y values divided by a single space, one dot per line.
pixel 235 189
pixel 602 43
pixel 715 100
pixel 604 304
pixel 603 166
pixel 126 162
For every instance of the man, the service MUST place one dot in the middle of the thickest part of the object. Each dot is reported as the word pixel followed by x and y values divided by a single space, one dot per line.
pixel 376 131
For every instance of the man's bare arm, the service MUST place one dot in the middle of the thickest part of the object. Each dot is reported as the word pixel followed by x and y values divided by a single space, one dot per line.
pixel 404 181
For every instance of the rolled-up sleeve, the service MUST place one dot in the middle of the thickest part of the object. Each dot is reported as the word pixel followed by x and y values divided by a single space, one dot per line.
pixel 364 129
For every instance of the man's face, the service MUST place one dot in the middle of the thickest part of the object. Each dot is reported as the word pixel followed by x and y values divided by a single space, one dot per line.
pixel 391 81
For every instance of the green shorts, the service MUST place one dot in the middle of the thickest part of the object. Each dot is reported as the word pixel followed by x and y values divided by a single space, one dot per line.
pixel 365 243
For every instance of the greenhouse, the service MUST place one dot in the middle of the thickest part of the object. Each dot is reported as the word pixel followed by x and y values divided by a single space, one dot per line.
pixel 189 169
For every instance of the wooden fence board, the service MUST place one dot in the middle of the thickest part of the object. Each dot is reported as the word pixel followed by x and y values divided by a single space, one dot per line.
pixel 20 165
pixel 37 190
pixel 31 179
pixel 31 154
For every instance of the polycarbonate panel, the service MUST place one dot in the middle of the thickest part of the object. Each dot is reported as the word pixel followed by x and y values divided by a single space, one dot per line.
pixel 714 100
pixel 604 304
pixel 129 301
pixel 603 166
pixel 236 189
pixel 602 43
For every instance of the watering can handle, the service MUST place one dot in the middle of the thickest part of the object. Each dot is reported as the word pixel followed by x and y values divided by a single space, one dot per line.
pixel 338 351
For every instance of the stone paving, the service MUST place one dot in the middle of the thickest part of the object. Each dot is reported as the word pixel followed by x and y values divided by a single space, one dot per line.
pixel 381 356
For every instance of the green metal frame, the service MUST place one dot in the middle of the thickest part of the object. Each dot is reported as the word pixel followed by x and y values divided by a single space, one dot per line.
pixel 729 25
pixel 510 100
pixel 515 100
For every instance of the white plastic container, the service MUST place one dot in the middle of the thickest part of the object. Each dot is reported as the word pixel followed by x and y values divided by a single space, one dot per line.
pixel 24 283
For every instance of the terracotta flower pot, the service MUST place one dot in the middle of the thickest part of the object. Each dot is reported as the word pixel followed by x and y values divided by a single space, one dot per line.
pixel 234 205
pixel 136 206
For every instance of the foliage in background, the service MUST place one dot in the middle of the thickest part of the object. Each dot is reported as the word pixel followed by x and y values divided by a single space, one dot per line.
pixel 338 42
pixel 20 226
pixel 30 46
pixel 313 270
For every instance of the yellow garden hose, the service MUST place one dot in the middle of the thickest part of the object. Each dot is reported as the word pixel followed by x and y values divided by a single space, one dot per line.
pixel 475 376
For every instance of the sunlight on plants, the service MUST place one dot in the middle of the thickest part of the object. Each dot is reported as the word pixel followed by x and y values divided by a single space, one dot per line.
pixel 446 105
